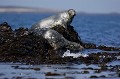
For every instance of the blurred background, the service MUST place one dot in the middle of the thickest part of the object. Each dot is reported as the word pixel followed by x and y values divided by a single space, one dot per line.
pixel 87 6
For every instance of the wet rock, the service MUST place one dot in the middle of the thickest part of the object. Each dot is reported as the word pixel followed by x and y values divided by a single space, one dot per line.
pixel 6 33
pixel 89 68
pixel 24 46
pixel 20 45
pixel 21 32
pixel 36 69
pixel 102 76
pixel 19 77
pixel 89 46
pixel 118 74
pixel 15 67
pixel 98 71
pixel 52 74
pixel 85 72
pixel 23 68
pixel 102 47
pixel 93 76
pixel 4 27
pixel 1 74
pixel 103 67
pixel 69 33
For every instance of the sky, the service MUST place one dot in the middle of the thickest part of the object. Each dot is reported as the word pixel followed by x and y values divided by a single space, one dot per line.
pixel 89 6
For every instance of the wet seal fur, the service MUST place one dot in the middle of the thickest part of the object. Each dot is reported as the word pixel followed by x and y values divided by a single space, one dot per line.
pixel 56 40
pixel 62 19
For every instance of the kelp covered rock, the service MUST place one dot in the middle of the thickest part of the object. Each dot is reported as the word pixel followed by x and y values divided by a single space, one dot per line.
pixel 20 45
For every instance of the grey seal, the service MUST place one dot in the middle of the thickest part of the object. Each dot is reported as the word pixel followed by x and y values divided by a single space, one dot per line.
pixel 63 19
pixel 56 40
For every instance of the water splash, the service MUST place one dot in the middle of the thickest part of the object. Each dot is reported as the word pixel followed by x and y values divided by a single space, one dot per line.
pixel 74 55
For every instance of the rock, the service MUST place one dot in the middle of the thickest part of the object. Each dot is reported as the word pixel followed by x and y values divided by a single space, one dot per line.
pixel 22 46
pixel 85 72
pixel 102 76
pixel 102 47
pixel 69 33
pixel 89 46
pixel 21 32
pixel 93 76
pixel 6 33
pixel 52 74
pixel 20 43
pixel 4 27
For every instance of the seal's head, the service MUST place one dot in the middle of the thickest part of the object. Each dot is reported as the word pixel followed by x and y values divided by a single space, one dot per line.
pixel 71 12
pixel 63 19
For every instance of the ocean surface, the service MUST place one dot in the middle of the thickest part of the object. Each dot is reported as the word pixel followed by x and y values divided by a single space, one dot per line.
pixel 100 29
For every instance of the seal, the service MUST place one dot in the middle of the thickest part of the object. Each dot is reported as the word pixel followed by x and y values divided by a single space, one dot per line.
pixel 56 40
pixel 63 19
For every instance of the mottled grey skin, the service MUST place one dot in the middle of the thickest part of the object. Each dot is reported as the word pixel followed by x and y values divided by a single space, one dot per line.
pixel 63 19
pixel 56 40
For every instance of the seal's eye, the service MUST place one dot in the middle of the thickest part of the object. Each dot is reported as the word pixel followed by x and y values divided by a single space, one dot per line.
pixel 71 12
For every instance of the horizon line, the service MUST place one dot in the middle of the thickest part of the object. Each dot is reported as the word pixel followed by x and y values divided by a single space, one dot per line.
pixel 51 10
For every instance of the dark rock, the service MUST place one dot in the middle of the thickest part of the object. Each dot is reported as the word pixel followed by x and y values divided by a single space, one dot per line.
pixel 36 69
pixel 98 71
pixel 89 46
pixel 24 68
pixel 52 74
pixel 1 74
pixel 21 31
pixel 102 76
pixel 85 72
pixel 89 68
pixel 25 45
pixel 69 33
pixel 118 74
pixel 4 27
pixel 6 33
pixel 102 47
pixel 93 76
pixel 15 67
pixel 22 46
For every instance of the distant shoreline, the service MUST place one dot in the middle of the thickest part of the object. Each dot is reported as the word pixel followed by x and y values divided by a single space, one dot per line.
pixel 25 9
pixel 19 9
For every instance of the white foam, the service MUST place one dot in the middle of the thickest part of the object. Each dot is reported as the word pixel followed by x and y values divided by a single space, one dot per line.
pixel 74 55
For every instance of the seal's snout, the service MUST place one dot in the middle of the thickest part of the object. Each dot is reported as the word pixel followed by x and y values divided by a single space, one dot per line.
pixel 72 12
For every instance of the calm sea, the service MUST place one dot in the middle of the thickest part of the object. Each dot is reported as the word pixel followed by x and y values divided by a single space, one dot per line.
pixel 101 29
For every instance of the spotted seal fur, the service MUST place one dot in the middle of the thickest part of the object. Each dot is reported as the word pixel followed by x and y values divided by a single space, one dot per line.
pixel 63 19
pixel 56 40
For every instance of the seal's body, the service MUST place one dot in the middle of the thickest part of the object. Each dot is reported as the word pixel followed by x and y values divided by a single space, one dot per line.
pixel 64 19
pixel 56 40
